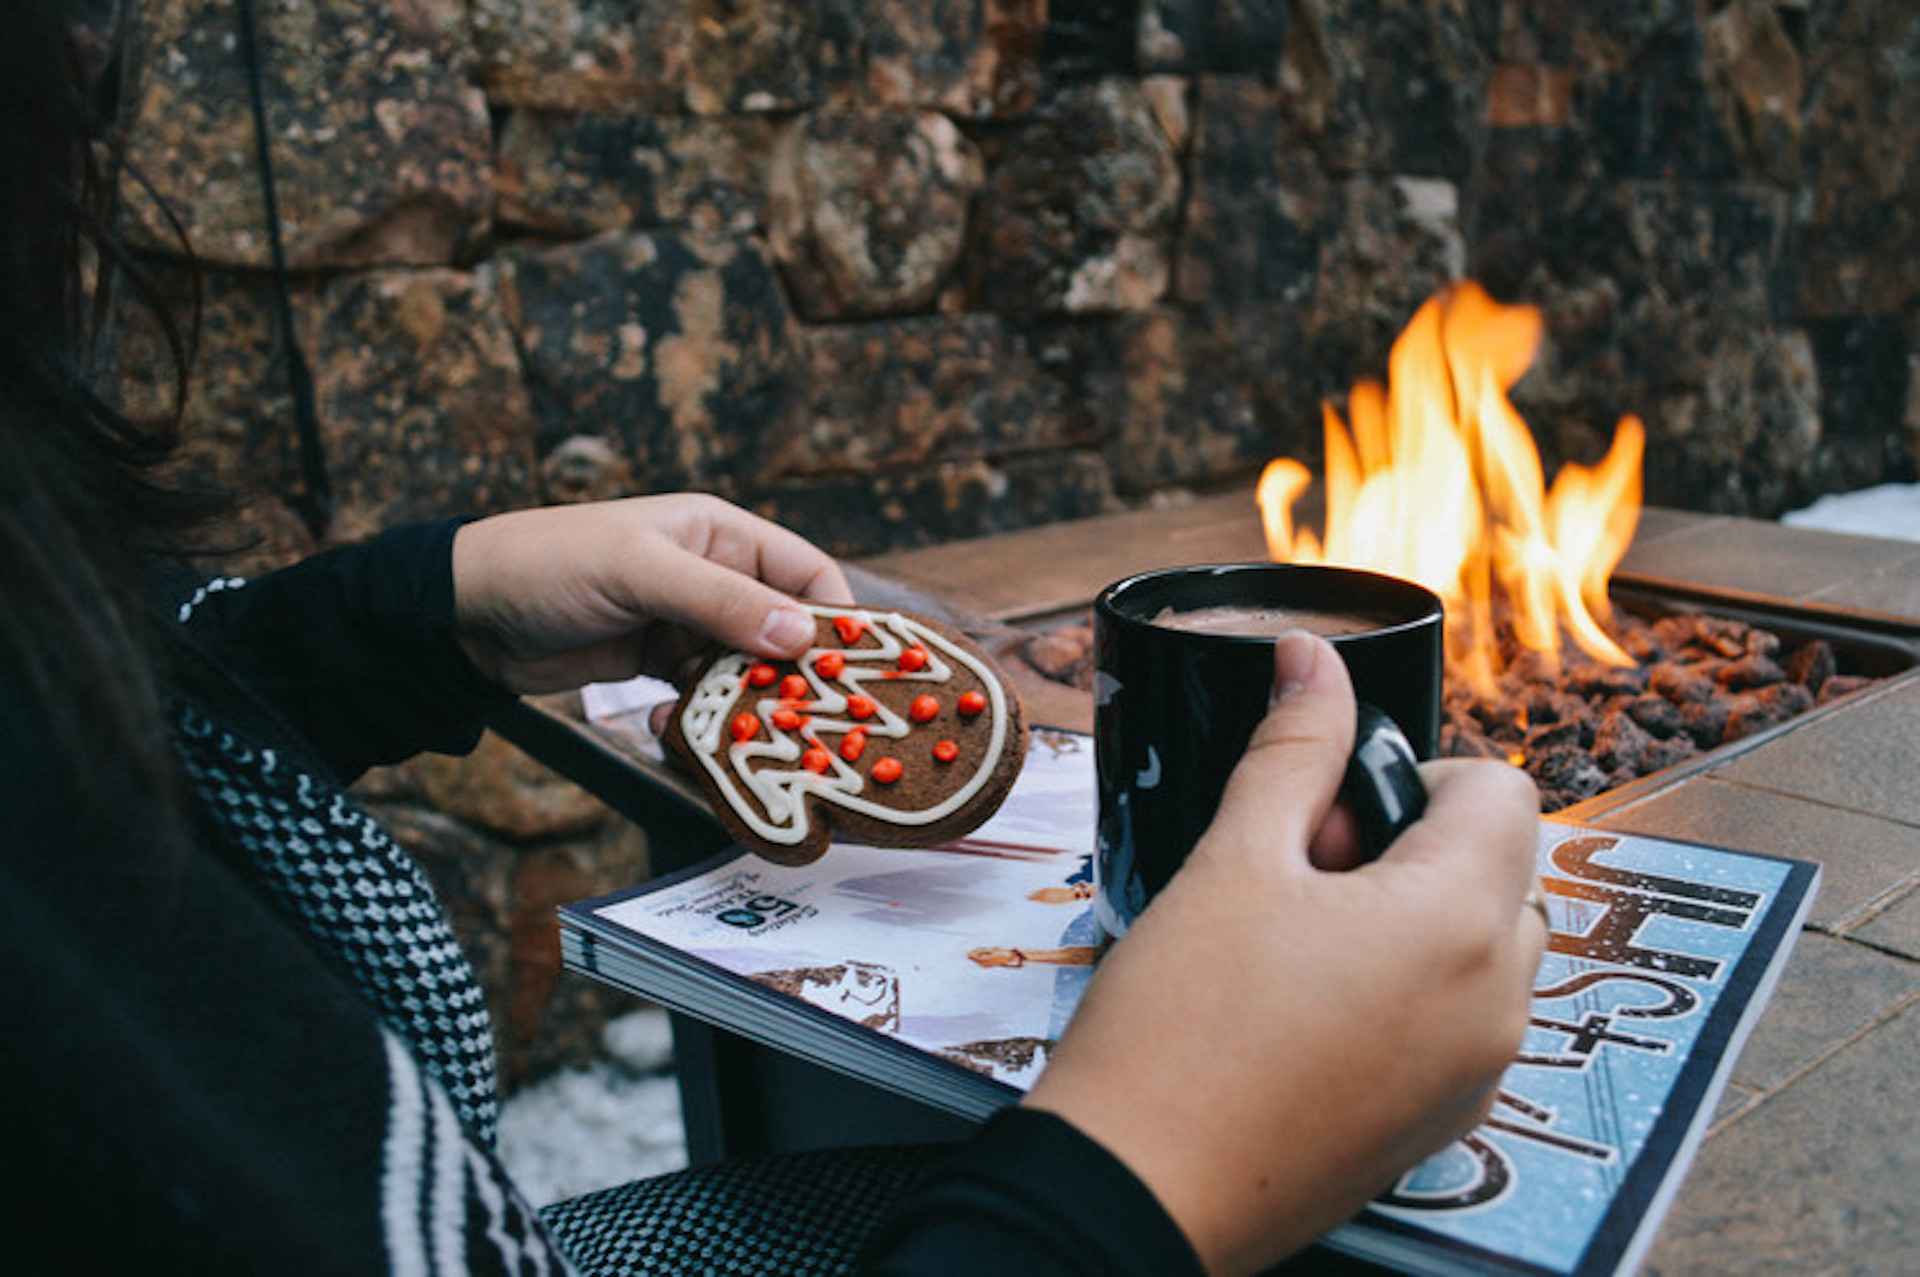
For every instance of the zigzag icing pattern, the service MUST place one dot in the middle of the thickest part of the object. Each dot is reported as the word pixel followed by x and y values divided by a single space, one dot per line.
pixel 772 800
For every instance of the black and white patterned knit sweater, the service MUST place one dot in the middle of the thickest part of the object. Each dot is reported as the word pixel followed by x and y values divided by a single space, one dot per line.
pixel 254 1046
pixel 264 1050
pixel 361 899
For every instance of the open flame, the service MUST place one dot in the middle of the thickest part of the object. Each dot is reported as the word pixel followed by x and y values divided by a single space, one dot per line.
pixel 1435 477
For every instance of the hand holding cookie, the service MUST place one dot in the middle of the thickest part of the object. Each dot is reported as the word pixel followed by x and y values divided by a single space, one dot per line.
pixel 892 728
pixel 547 599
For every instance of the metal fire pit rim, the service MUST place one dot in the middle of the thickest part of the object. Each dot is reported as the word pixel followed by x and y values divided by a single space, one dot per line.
pixel 1893 640
pixel 1817 618
pixel 1811 618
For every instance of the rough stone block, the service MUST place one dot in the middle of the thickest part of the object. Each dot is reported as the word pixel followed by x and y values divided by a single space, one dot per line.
pixel 1081 205
pixel 1754 72
pixel 1864 363
pixel 236 419
pixel 582 55
pixel 675 347
pixel 772 55
pixel 1196 35
pixel 1256 202
pixel 1387 87
pixel 1660 299
pixel 975 59
pixel 1644 93
pixel 1390 244
pixel 1539 31
pixel 1856 249
pixel 868 212
pixel 946 502
pixel 1265 223
pixel 1087 39
pixel 422 402
pixel 877 397
pixel 551 1021
pixel 576 175
pixel 1529 95
pixel 1193 397
pixel 381 148
pixel 502 790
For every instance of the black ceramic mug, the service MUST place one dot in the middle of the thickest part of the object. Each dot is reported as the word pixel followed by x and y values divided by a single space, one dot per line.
pixel 1184 672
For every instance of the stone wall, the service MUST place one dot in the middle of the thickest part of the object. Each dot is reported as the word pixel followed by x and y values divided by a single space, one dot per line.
pixel 900 271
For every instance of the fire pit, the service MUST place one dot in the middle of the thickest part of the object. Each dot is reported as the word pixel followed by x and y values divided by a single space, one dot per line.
pixel 1434 476
pixel 1703 679
pixel 1841 621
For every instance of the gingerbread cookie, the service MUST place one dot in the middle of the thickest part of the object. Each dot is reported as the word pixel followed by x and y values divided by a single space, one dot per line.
pixel 893 729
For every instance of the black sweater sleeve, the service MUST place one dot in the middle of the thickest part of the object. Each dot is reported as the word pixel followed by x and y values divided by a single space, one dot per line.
pixel 1031 1195
pixel 354 650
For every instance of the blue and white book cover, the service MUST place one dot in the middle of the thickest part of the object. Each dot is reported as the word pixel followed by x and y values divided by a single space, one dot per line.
pixel 1661 957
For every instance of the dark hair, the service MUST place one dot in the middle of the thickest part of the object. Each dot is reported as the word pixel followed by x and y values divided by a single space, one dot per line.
pixel 85 511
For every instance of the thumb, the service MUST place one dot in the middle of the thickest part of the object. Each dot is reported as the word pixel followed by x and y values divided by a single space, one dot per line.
pixel 1288 779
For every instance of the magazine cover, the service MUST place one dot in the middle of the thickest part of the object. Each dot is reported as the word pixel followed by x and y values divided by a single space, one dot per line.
pixel 973 955
pixel 948 975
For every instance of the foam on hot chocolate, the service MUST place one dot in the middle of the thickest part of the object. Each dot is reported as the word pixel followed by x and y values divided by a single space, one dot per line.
pixel 1267 622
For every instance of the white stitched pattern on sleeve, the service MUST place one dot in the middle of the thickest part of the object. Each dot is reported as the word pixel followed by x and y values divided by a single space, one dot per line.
pixel 214 586
pixel 440 1194
pixel 401 1163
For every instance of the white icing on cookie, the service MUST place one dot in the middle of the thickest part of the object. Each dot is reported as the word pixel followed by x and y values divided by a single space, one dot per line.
pixel 772 801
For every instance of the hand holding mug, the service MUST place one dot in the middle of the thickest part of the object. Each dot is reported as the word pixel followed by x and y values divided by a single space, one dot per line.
pixel 1273 1040
pixel 1184 661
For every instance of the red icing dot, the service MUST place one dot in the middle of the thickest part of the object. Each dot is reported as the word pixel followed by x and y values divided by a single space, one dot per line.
pixel 972 703
pixel 744 727
pixel 794 687
pixel 861 706
pixel 830 664
pixel 816 760
pixel 762 675
pixel 946 751
pixel 853 744
pixel 924 709
pixel 912 659
pixel 849 628
pixel 786 719
pixel 887 770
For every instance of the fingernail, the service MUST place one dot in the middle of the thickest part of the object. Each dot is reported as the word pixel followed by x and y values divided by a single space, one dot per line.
pixel 1294 654
pixel 787 629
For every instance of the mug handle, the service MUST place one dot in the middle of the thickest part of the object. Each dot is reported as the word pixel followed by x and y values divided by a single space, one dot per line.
pixel 1383 781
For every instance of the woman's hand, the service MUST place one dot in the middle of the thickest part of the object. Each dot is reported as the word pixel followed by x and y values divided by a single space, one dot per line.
pixel 1274 1041
pixel 551 598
